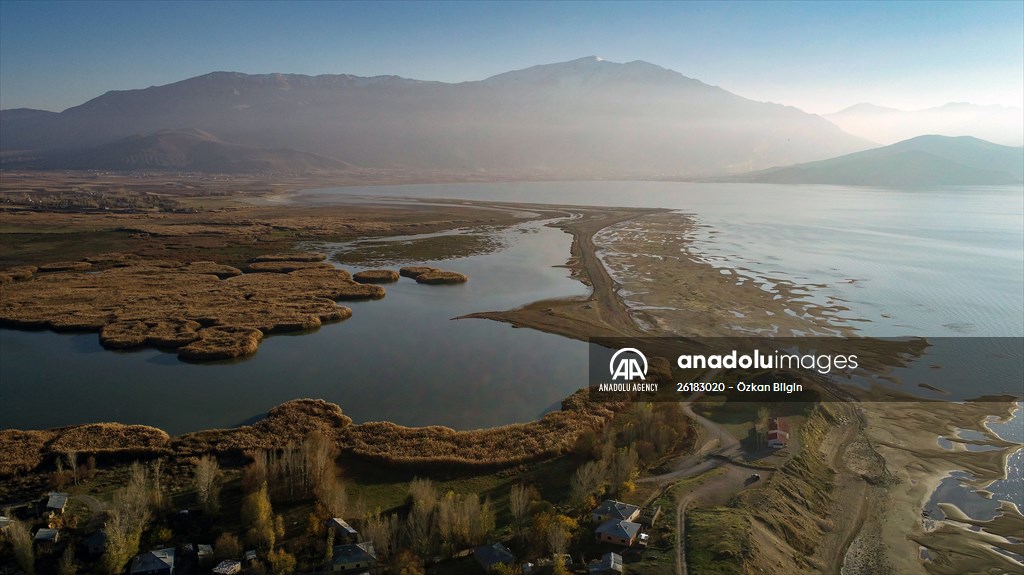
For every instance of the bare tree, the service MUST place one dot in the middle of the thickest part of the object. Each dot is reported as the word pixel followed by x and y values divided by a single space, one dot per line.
pixel 126 520
pixel 72 457
pixel 21 546
pixel 586 482
pixel 558 539
pixel 519 502
pixel 331 494
pixel 382 531
pixel 206 478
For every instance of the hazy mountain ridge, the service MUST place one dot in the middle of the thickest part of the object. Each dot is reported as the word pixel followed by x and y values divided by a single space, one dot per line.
pixel 998 124
pixel 178 150
pixel 922 161
pixel 586 117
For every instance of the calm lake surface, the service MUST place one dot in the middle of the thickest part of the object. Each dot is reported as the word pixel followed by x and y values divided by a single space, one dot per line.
pixel 944 262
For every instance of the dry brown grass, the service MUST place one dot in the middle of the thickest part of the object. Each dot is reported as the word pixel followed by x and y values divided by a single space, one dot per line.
pixel 16 274
pixel 65 266
pixel 22 450
pixel 289 423
pixel 222 342
pixel 415 271
pixel 376 276
pixel 290 257
pixel 134 302
pixel 109 438
pixel 441 277
pixel 284 267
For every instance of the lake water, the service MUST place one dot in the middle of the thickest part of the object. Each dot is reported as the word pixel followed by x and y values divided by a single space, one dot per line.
pixel 933 263
pixel 398 359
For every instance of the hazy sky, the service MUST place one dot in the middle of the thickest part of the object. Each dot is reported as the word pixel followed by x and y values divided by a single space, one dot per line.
pixel 818 56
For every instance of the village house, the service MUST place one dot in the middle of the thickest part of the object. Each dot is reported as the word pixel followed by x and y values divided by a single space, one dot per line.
pixel 618 532
pixel 610 509
pixel 778 433
pixel 490 556
pixel 155 562
pixel 354 558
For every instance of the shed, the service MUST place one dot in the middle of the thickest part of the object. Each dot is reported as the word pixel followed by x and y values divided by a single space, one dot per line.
pixel 47 536
pixel 155 562
pixel 608 564
pixel 56 502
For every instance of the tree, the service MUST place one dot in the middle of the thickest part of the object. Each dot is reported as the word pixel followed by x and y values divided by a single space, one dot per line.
pixel 331 495
pixel 227 546
pixel 157 469
pixel 21 546
pixel 127 518
pixel 281 562
pixel 761 424
pixel 558 539
pixel 206 478
pixel 382 531
pixel 258 519
pixel 585 484
pixel 519 502
pixel 407 563
pixel 67 565
pixel 72 457
pixel 420 521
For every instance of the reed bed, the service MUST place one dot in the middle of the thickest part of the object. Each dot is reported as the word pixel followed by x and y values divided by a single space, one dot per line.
pixel 206 310
pixel 289 423
pixel 376 276
pixel 441 277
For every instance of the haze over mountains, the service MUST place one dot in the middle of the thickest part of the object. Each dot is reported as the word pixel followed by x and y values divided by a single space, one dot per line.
pixel 583 118
pixel 998 124
pixel 922 161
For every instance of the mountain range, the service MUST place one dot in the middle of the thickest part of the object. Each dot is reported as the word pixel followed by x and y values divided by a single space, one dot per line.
pixel 584 118
pixel 922 161
pixel 998 124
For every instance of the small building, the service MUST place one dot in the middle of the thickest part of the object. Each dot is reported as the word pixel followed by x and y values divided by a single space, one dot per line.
pixel 46 536
pixel 618 532
pixel 155 562
pixel 608 564
pixel 250 555
pixel 610 509
pixel 490 556
pixel 343 532
pixel 354 558
pixel 56 502
pixel 778 433
pixel 228 567
pixel 95 543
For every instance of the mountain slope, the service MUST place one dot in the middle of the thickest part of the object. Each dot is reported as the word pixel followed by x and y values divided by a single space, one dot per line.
pixel 180 150
pixel 587 117
pixel 921 161
pixel 997 124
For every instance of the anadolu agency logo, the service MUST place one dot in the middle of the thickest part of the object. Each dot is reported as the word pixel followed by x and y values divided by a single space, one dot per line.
pixel 625 364
pixel 628 368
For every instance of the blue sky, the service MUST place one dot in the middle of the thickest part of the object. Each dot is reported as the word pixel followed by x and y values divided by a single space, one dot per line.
pixel 819 56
